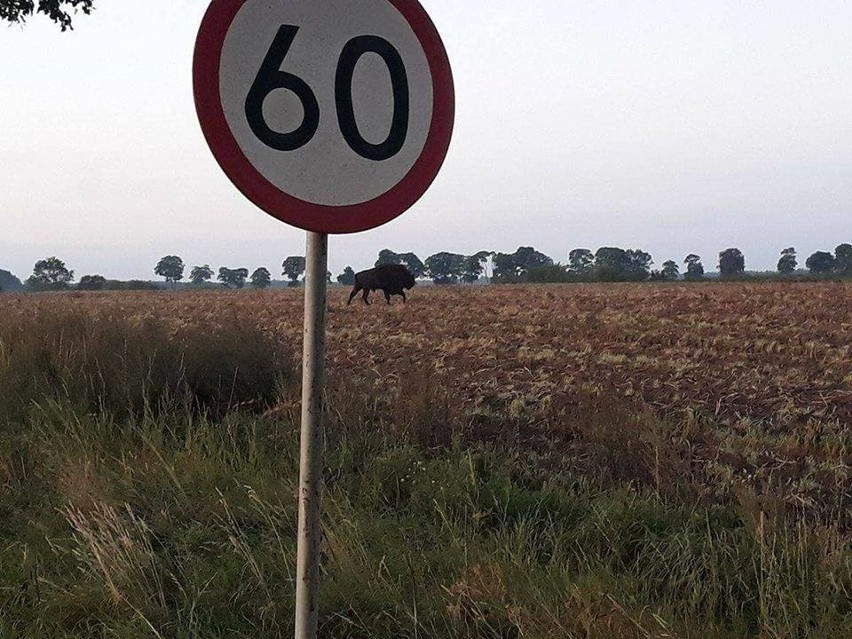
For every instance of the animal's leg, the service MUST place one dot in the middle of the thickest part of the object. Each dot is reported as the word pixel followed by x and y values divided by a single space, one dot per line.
pixel 404 301
pixel 366 296
pixel 353 294
pixel 387 297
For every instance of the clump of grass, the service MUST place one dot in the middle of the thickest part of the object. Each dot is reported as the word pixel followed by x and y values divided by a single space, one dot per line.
pixel 114 546
pixel 176 526
pixel 106 362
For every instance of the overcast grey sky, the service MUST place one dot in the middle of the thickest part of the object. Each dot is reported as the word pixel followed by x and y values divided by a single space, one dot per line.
pixel 673 126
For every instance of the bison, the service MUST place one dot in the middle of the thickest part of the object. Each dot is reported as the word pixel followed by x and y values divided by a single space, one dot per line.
pixel 391 279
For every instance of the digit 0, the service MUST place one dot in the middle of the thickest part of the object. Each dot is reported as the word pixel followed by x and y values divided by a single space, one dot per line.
pixel 352 53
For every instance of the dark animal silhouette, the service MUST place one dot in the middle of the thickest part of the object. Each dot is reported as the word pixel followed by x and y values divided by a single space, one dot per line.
pixel 391 279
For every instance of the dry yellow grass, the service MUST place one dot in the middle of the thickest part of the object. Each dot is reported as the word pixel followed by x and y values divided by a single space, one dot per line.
pixel 776 352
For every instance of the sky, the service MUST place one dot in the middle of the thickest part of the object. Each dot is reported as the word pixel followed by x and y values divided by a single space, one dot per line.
pixel 673 126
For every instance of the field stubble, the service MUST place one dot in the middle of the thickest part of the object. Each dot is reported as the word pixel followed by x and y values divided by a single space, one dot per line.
pixel 588 461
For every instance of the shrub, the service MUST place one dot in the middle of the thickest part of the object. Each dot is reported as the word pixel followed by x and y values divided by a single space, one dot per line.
pixel 106 362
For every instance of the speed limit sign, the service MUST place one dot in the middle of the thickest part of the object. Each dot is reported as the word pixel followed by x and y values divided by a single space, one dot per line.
pixel 331 115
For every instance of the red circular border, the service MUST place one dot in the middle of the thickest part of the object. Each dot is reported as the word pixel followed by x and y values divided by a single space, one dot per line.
pixel 286 208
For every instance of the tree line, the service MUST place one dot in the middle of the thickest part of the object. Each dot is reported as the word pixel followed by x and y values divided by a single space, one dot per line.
pixel 607 264
pixel 52 274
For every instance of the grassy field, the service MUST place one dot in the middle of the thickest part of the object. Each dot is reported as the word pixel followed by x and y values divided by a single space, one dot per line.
pixel 587 461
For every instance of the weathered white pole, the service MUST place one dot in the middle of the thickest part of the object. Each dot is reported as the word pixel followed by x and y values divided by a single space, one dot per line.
pixel 310 466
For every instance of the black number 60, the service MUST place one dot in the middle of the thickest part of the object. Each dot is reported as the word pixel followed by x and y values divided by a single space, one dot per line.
pixel 270 77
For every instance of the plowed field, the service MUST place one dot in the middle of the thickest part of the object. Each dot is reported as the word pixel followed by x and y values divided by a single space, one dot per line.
pixel 779 353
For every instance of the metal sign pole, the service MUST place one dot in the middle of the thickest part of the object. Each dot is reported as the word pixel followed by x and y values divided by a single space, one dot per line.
pixel 310 466
pixel 337 184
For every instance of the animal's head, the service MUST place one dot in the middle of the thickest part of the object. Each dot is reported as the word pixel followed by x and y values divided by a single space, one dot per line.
pixel 409 280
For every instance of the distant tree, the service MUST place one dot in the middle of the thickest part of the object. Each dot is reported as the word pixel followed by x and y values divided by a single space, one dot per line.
pixel 551 274
pixel 670 270
pixel 92 283
pixel 170 268
pixel 50 274
pixel 638 265
pixel 293 266
pixel 261 278
pixel 410 260
pixel 386 256
pixel 347 278
pixel 843 259
pixel 444 268
pixel 17 11
pixel 788 262
pixel 731 262
pixel 527 258
pixel 581 262
pixel 694 268
pixel 505 268
pixel 820 262
pixel 514 267
pixel 9 283
pixel 612 264
pixel 413 264
pixel 233 278
pixel 131 285
pixel 472 267
pixel 200 274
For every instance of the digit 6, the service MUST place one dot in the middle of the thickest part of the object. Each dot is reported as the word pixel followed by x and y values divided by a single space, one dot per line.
pixel 269 78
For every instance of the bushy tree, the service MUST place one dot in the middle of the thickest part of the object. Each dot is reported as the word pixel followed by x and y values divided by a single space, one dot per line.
pixel 92 283
pixel 581 262
pixel 200 274
pixel 293 267
pixel 505 268
pixel 261 278
pixel 170 268
pixel 347 277
pixel 444 268
pixel 410 260
pixel 527 258
pixel 386 256
pixel 820 262
pixel 610 263
pixel 638 265
pixel 233 278
pixel 552 274
pixel 613 264
pixel 50 274
pixel 843 259
pixel 413 264
pixel 694 268
pixel 670 270
pixel 731 262
pixel 473 266
pixel 788 263
pixel 59 11
pixel 9 283
pixel 513 267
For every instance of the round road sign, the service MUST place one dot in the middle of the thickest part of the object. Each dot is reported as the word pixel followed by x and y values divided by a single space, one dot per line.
pixel 331 115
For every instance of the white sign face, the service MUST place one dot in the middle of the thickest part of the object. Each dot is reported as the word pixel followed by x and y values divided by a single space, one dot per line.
pixel 339 106
pixel 327 170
